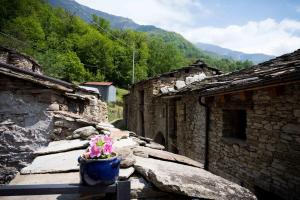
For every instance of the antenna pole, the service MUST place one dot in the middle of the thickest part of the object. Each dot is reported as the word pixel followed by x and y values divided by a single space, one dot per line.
pixel 133 64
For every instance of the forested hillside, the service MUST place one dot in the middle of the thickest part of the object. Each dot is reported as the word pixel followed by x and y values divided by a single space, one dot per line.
pixel 69 48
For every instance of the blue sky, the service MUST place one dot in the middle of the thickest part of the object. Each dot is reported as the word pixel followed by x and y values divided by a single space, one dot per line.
pixel 252 26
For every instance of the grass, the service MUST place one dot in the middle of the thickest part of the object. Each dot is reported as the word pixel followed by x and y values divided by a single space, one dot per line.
pixel 115 109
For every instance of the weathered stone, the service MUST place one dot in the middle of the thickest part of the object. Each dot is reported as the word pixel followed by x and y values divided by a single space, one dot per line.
pixel 62 146
pixel 127 158
pixel 179 84
pixel 148 140
pixel 291 128
pixel 190 181
pixel 54 163
pixel 118 134
pixel 140 142
pixel 141 189
pixel 53 106
pixel 155 145
pixel 84 132
pixel 128 143
pixel 165 155
pixel 164 90
pixel 125 173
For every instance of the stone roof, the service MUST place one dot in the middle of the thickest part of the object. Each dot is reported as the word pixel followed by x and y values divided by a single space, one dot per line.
pixel 277 71
pixel 29 70
pixel 153 172
pixel 98 83
pixel 196 64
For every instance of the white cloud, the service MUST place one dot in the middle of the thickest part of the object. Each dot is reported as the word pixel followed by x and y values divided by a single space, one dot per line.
pixel 167 14
pixel 267 36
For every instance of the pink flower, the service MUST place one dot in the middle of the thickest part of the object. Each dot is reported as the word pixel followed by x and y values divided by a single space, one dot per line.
pixel 94 140
pixel 107 139
pixel 107 149
pixel 95 151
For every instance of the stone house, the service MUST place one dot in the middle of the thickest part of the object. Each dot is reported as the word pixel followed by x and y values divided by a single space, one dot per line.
pixel 35 109
pixel 244 126
pixel 153 117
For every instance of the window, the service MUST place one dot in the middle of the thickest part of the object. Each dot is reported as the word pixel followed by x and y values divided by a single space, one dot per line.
pixel 234 124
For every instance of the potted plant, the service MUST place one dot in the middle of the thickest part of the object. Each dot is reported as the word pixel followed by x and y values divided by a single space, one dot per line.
pixel 99 164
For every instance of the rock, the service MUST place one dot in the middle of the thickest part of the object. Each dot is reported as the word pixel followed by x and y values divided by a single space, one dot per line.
pixel 165 155
pixel 86 122
pixel 118 134
pixel 127 158
pixel 179 84
pixel 148 140
pixel 189 181
pixel 141 189
pixel 62 146
pixel 125 173
pixel 155 145
pixel 104 125
pixel 84 132
pixel 53 163
pixel 190 79
pixel 291 128
pixel 140 152
pixel 53 107
pixel 164 90
pixel 140 142
pixel 129 143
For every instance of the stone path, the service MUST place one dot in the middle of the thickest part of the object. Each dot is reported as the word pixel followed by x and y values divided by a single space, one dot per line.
pixel 153 173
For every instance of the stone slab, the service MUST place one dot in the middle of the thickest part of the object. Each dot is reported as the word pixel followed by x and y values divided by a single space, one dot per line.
pixel 62 146
pixel 155 145
pixel 125 143
pixel 54 163
pixel 189 181
pixel 125 173
pixel 165 155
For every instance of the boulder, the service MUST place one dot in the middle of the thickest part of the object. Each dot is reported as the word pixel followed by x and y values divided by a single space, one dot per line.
pixel 190 181
pixel 62 146
pixel 139 141
pixel 84 132
pixel 165 155
pixel 127 158
pixel 54 163
pixel 155 145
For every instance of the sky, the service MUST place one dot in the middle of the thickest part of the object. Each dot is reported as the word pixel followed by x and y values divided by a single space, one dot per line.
pixel 251 26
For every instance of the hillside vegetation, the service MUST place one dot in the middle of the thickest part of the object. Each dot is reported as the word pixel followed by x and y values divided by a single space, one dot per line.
pixel 74 50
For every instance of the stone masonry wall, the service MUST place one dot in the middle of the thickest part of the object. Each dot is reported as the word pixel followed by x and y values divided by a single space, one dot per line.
pixel 269 158
pixel 191 128
pixel 28 120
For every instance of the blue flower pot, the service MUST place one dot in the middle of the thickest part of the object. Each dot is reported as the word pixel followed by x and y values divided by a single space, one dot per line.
pixel 99 171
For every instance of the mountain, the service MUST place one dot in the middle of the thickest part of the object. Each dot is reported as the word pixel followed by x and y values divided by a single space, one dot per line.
pixel 236 55
pixel 117 22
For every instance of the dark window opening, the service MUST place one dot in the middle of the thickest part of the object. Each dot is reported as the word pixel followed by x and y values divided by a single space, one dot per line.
pixel 262 194
pixel 187 70
pixel 234 124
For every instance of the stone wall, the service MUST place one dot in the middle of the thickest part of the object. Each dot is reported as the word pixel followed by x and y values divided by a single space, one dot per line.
pixel 31 115
pixel 269 158
pixel 159 114
pixel 191 127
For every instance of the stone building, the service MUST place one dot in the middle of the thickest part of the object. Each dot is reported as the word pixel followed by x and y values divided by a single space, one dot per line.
pixel 244 126
pixel 35 109
pixel 148 115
